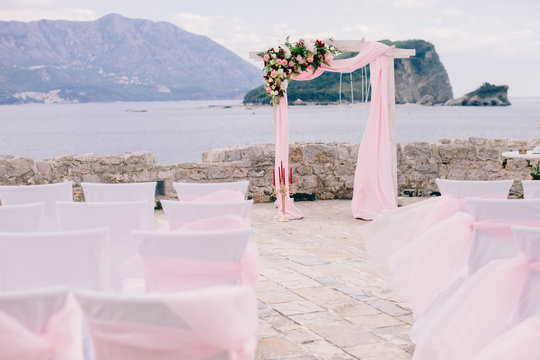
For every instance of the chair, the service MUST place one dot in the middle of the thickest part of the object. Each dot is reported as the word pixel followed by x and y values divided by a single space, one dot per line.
pixel 47 193
pixel 394 230
pixel 214 323
pixel 40 324
pixel 497 297
pixel 493 238
pixel 228 191
pixel 531 189
pixel 22 218
pixel 178 261
pixel 181 213
pixel 478 188
pixel 120 217
pixel 98 192
pixel 75 258
pixel 432 266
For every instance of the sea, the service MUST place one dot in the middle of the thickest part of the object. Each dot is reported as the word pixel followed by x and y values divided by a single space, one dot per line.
pixel 181 131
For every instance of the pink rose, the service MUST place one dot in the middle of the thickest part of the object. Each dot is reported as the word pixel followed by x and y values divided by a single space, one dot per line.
pixel 328 57
pixel 266 57
pixel 273 73
pixel 268 90
pixel 311 68
pixel 282 62
pixel 310 59
pixel 291 63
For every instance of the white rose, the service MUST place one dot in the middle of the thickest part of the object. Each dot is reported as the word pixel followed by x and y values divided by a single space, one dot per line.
pixel 288 53
pixel 310 45
pixel 284 84
pixel 280 72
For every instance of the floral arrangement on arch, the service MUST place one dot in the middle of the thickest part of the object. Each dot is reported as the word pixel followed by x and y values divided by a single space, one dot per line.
pixel 291 59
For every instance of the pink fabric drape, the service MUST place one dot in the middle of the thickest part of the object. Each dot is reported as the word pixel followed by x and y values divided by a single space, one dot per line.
pixel 373 187
pixel 60 340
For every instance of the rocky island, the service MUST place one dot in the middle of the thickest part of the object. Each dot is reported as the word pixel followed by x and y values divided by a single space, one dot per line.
pixel 486 95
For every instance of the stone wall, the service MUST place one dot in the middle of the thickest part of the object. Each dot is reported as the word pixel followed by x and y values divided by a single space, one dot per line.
pixel 325 170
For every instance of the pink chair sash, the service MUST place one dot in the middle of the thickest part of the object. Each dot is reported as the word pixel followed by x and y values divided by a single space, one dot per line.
pixel 166 274
pixel 222 222
pixel 502 228
pixel 250 259
pixel 216 196
pixel 60 340
pixel 135 341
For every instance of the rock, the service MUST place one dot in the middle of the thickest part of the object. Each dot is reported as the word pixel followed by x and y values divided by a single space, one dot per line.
pixel 426 100
pixel 485 95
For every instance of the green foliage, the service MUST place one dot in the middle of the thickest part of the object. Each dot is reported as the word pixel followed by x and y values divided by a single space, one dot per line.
pixel 488 90
pixel 535 173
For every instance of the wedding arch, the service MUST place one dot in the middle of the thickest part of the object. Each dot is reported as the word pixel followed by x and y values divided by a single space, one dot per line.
pixel 375 182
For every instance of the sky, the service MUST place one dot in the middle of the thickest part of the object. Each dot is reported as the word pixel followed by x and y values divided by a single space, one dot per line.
pixel 477 40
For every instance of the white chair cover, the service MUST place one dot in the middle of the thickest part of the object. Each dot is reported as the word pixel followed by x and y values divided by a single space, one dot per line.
pixel 97 192
pixel 181 213
pixel 22 218
pixel 193 191
pixel 47 193
pixel 531 189
pixel 213 323
pixel 186 260
pixel 482 188
pixel 77 258
pixel 120 217
pixel 42 324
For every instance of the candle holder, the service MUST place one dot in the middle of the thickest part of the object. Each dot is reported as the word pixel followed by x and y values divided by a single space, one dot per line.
pixel 282 190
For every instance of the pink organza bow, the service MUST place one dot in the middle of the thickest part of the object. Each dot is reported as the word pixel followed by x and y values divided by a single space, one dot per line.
pixel 60 340
pixel 135 341
pixel 503 227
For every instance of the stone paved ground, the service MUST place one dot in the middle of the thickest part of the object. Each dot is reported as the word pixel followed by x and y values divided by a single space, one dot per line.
pixel 319 297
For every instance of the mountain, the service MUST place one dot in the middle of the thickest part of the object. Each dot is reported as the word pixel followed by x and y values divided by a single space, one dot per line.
pixel 115 58
pixel 420 79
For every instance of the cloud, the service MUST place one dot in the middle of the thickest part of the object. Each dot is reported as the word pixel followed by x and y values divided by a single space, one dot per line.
pixel 33 14
pixel 194 23
pixel 413 4
pixel 451 12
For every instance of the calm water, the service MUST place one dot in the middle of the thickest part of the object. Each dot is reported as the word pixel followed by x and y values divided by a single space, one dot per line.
pixel 181 131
